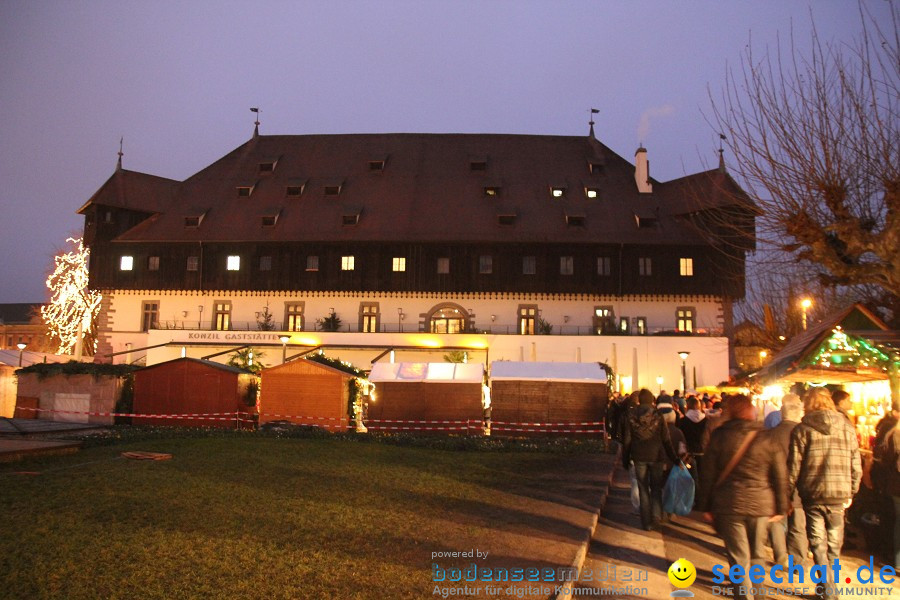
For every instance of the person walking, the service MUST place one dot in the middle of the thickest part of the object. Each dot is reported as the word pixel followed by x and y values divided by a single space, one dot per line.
pixel 693 426
pixel 646 443
pixel 887 454
pixel 743 485
pixel 788 537
pixel 824 468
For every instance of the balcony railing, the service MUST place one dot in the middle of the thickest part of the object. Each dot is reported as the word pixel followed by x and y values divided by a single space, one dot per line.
pixel 573 330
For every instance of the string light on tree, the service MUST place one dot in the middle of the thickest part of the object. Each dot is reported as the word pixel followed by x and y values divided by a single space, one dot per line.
pixel 73 308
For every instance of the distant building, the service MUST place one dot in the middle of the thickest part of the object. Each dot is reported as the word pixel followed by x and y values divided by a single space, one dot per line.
pixel 480 241
pixel 21 323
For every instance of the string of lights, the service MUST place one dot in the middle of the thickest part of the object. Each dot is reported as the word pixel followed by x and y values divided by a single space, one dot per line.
pixel 73 308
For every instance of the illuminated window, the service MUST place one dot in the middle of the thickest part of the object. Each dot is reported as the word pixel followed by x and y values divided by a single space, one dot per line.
pixel 492 191
pixel 604 320
pixel 312 263
pixel 153 263
pixel 399 264
pixel 591 192
pixel 233 263
pixel 624 325
pixel 485 264
pixel 557 191
pixel 566 265
pixel 193 263
pixel 640 325
pixel 126 263
pixel 222 315
pixel 684 318
pixel 686 267
pixel 443 266
pixel 368 317
pixel 527 318
pixel 348 263
pixel 293 316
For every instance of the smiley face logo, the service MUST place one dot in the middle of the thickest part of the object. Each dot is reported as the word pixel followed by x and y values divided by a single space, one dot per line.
pixel 682 573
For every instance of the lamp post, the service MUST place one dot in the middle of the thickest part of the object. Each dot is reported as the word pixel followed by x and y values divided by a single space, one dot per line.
pixel 762 357
pixel 805 304
pixel 284 340
pixel 659 382
pixel 683 354
pixel 21 347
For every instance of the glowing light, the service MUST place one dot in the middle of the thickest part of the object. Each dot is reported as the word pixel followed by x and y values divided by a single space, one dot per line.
pixel 73 308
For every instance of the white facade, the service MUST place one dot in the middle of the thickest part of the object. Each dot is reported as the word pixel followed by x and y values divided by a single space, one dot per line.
pixel 403 323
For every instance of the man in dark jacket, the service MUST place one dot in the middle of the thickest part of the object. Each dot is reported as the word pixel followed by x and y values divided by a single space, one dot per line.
pixel 825 469
pixel 740 501
pixel 646 442
pixel 887 453
pixel 789 537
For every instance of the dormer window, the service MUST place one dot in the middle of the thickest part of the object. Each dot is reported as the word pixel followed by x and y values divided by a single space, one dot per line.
pixel 575 220
pixel 269 220
pixel 244 191
pixel 557 191
pixel 596 168
pixel 192 222
pixel 333 188
pixel 294 188
pixel 376 165
pixel 492 191
pixel 478 163
pixel 591 193
pixel 506 219
pixel 646 222
pixel 350 216
pixel 267 166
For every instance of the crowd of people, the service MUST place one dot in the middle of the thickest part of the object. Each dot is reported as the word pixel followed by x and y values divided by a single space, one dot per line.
pixel 781 478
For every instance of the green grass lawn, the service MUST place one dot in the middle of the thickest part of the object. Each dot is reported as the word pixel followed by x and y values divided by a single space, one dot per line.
pixel 250 516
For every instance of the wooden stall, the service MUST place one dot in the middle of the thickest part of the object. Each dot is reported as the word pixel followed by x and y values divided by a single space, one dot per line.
pixel 546 393
pixel 192 386
pixel 417 392
pixel 308 393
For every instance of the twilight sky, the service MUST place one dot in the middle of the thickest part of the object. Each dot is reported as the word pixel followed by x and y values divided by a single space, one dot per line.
pixel 176 80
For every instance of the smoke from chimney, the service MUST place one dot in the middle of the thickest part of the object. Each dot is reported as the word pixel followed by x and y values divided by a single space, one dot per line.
pixel 652 113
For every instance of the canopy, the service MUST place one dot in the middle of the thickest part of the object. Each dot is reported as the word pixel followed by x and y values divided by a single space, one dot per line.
pixel 548 371
pixel 427 372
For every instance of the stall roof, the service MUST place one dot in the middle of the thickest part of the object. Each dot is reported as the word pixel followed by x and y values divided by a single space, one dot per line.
pixel 548 371
pixel 427 372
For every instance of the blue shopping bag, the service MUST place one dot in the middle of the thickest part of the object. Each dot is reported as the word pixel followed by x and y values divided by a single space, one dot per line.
pixel 678 493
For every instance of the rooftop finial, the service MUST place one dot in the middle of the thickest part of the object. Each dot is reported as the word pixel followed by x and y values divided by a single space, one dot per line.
pixel 594 111
pixel 721 153
pixel 255 123
pixel 119 164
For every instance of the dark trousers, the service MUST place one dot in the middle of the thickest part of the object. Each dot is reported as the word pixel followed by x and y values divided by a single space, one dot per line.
pixel 650 479
pixel 825 531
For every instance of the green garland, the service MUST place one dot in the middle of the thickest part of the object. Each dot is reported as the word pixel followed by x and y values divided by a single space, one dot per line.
pixel 73 367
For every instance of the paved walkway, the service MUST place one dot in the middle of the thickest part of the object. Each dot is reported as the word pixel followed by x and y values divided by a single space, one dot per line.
pixel 626 562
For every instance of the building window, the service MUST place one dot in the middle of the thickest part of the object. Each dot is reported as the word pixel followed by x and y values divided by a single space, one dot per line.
pixel 528 314
pixel 149 315
pixel 332 190
pixel 591 193
pixel 398 264
pixel 222 315
pixel 233 263
pixel 575 220
pixel 443 266
pixel 348 263
pixel 265 263
pixel 566 265
pixel 244 191
pixel 529 265
pixel 193 263
pixel 126 263
pixel 595 168
pixel 604 320
pixel 640 325
pixel 266 167
pixel 684 318
pixel 350 219
pixel 447 319
pixel 153 263
pixel 376 165
pixel 478 165
pixel 603 265
pixel 491 191
pixel 293 316
pixel 485 264
pixel 506 219
pixel 624 326
pixel 312 263
pixel 192 222
pixel 368 317
pixel 557 191
pixel 645 266
pixel 269 220
pixel 293 191
pixel 686 267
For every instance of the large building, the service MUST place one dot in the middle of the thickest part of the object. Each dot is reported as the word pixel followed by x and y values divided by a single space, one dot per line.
pixel 417 241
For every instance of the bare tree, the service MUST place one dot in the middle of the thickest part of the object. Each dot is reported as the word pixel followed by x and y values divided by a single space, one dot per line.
pixel 816 142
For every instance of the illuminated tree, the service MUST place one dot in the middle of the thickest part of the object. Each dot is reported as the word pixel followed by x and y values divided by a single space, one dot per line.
pixel 73 308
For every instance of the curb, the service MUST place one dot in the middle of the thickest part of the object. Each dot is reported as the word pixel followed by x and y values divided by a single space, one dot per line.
pixel 565 591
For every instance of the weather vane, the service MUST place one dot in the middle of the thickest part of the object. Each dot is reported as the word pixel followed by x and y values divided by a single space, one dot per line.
pixel 594 111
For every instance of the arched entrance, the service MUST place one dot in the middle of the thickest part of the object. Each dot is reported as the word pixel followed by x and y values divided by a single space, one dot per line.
pixel 447 318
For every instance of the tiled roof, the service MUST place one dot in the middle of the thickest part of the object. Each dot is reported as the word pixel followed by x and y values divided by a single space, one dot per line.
pixel 428 190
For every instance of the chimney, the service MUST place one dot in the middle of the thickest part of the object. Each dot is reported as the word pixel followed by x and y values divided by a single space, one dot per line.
pixel 642 171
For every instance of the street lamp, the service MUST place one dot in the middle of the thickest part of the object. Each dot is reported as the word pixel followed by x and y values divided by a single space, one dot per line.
pixel 683 354
pixel 659 382
pixel 284 340
pixel 805 304
pixel 21 347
